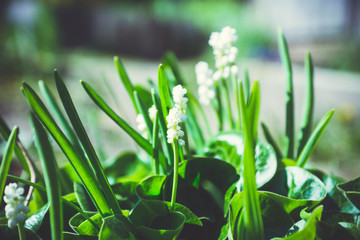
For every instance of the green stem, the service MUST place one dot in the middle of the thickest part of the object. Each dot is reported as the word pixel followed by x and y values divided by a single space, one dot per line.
pixel 155 144
pixel 21 231
pixel 187 145
pixel 218 110
pixel 228 103
pixel 176 170
pixel 237 100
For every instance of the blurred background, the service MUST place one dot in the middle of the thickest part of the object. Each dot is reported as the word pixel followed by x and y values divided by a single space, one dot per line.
pixel 80 39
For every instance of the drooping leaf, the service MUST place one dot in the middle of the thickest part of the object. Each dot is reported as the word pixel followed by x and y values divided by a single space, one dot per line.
pixel 351 191
pixel 35 220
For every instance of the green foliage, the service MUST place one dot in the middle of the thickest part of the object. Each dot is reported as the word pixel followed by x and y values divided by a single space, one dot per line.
pixel 236 187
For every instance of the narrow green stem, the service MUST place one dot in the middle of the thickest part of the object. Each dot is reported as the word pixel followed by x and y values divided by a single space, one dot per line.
pixel 208 128
pixel 21 231
pixel 218 109
pixel 237 100
pixel 155 144
pixel 228 103
pixel 176 170
pixel 187 145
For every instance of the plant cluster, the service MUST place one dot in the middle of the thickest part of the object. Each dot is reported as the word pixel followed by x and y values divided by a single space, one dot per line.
pixel 191 183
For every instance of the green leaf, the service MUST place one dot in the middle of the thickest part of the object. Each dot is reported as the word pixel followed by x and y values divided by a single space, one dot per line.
pixel 276 220
pixel 305 229
pixel 295 188
pixel 115 228
pixel 335 199
pixel 5 133
pixel 126 81
pixel 126 194
pixel 94 161
pixel 290 121
pixel 229 147
pixel 50 168
pixel 55 108
pixel 6 160
pixel 164 91
pixel 82 226
pixel 305 129
pixel 73 236
pixel 141 141
pixel 82 198
pixel 351 191
pixel 154 220
pixel 75 159
pixel 36 219
pixel 314 138
pixel 144 112
pixel 271 141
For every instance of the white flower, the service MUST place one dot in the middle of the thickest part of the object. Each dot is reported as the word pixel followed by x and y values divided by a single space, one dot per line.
pixel 177 115
pixel 223 49
pixel 15 210
pixel 152 112
pixel 141 125
pixel 205 80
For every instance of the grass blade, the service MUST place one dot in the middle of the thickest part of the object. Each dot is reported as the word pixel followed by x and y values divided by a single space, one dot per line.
pixel 95 164
pixel 5 133
pixel 142 142
pixel 78 163
pixel 54 107
pixel 305 129
pixel 290 121
pixel 6 160
pixel 271 140
pixel 144 112
pixel 164 91
pixel 314 138
pixel 253 218
pixel 126 81
pixel 50 168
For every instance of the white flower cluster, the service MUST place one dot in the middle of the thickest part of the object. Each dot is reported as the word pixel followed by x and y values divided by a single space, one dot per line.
pixel 177 115
pixel 15 210
pixel 205 81
pixel 152 112
pixel 224 51
pixel 141 125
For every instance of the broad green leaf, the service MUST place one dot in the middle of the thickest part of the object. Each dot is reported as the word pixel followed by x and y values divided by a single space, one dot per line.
pixel 307 116
pixel 7 233
pixel 83 137
pixel 290 121
pixel 154 220
pixel 351 191
pixel 305 229
pixel 115 227
pixel 126 166
pixel 314 138
pixel 276 220
pixel 126 194
pixel 73 156
pixel 82 198
pixel 294 187
pixel 6 160
pixel 50 168
pixel 229 147
pixel 334 200
pixel 126 81
pixel 82 226
pixel 141 141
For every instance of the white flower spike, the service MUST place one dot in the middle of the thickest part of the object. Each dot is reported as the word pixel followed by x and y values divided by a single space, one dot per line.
pixel 15 210
pixel 205 81
pixel 177 115
pixel 141 125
